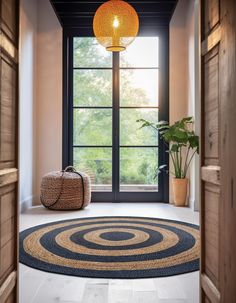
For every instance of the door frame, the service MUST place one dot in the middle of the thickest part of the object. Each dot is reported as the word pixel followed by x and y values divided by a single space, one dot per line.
pixel 9 143
pixel 218 174
pixel 67 140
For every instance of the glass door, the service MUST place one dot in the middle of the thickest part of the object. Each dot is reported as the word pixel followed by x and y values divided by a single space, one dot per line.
pixel 92 112
pixel 111 91
pixel 138 99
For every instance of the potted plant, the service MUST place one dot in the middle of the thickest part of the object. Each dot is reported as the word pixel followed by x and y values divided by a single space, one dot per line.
pixel 183 144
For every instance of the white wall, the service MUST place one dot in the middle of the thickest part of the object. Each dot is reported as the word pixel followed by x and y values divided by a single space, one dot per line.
pixel 40 96
pixel 184 87
pixel 193 45
pixel 27 92
pixel 49 93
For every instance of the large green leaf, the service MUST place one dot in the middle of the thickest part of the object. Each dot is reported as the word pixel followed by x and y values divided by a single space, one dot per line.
pixel 194 142
pixel 174 148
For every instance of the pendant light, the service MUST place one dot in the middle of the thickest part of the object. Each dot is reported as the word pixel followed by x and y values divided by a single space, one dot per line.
pixel 115 25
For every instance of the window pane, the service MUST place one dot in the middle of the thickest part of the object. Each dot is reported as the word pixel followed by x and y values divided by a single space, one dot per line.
pixel 92 126
pixel 88 53
pixel 97 163
pixel 130 132
pixel 143 52
pixel 139 87
pixel 92 88
pixel 138 169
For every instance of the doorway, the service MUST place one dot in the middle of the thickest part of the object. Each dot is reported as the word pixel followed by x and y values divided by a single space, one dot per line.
pixel 107 94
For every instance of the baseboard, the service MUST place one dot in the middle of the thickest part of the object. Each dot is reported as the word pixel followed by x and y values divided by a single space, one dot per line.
pixel 196 207
pixel 26 204
pixel 193 205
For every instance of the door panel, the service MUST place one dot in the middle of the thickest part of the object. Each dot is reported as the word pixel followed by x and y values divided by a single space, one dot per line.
pixel 9 19
pixel 218 205
pixel 211 107
pixel 211 223
pixel 210 215
pixel 211 15
pixel 8 113
pixel 8 151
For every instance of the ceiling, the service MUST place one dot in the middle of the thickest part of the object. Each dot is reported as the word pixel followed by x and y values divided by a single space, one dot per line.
pixel 79 13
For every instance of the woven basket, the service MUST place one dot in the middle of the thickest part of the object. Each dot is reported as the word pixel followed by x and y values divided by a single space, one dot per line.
pixel 66 190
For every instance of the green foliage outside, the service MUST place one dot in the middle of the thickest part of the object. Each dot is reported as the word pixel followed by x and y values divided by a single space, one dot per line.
pixel 94 126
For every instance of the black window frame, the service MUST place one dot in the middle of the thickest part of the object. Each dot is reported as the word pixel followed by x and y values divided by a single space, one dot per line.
pixel 67 144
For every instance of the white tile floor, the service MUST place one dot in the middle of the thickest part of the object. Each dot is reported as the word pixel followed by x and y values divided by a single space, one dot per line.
pixel 41 287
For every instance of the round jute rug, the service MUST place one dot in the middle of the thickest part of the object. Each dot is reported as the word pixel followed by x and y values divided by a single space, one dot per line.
pixel 112 247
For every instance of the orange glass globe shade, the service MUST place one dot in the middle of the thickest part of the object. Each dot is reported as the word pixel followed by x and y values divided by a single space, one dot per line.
pixel 115 25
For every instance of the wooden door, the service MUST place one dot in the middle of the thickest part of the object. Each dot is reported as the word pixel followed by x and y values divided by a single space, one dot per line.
pixel 9 11
pixel 218 205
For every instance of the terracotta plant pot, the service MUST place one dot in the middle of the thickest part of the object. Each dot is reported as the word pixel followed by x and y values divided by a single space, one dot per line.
pixel 180 189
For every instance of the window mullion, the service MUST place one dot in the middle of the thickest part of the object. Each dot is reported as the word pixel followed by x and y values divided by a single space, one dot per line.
pixel 116 118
